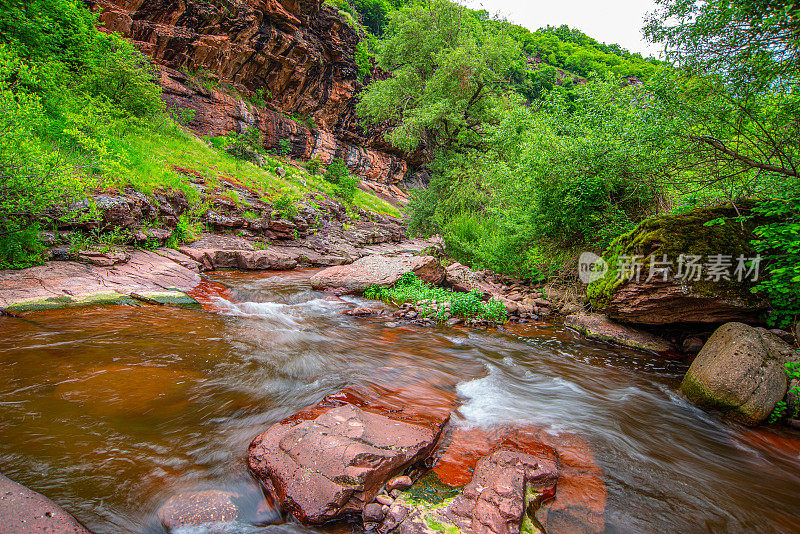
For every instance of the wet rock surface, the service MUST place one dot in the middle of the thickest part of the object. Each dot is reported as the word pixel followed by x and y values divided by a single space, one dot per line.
pixel 335 464
pixel 741 372
pixel 23 511
pixel 57 284
pixel 600 327
pixel 378 270
pixel 505 485
pixel 198 508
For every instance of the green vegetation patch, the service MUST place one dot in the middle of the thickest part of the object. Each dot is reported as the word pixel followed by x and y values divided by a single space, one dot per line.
pixel 430 300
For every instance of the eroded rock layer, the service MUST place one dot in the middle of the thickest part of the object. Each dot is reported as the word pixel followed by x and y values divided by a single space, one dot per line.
pixel 290 57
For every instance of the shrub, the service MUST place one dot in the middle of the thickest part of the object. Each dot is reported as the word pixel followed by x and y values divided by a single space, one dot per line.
pixel 313 166
pixel 779 243
pixel 336 171
pixel 284 147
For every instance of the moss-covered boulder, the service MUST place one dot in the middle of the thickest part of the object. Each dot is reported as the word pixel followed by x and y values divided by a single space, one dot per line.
pixel 692 267
pixel 741 372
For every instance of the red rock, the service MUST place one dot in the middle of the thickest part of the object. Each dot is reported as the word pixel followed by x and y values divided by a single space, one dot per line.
pixel 378 270
pixel 661 303
pixel 23 511
pixel 299 54
pixel 362 311
pixel 596 326
pixel 57 284
pixel 399 483
pixel 495 501
pixel 324 468
pixel 580 497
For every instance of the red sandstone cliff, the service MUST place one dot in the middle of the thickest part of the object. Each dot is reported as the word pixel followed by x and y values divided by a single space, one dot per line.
pixel 299 54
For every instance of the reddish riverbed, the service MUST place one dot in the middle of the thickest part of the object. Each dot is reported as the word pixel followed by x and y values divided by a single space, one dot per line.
pixel 110 411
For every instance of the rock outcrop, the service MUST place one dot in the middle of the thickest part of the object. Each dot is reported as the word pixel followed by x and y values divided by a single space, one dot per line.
pixel 740 371
pixel 677 269
pixel 335 464
pixel 254 64
pixel 600 327
pixel 158 276
pixel 378 270
pixel 23 511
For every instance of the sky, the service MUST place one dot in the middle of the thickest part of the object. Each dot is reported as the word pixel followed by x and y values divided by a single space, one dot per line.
pixel 608 21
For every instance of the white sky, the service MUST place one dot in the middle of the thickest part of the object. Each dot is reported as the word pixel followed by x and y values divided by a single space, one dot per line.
pixel 608 21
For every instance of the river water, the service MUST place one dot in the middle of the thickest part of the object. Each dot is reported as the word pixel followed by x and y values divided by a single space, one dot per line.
pixel 110 411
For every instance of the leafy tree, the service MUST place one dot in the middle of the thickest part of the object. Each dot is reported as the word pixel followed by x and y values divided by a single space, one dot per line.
pixel 447 73
pixel 738 79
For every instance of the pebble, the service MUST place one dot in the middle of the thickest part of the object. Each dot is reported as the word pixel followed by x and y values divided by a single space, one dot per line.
pixel 384 500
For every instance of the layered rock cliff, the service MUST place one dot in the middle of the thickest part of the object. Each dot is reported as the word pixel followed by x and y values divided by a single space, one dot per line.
pixel 294 58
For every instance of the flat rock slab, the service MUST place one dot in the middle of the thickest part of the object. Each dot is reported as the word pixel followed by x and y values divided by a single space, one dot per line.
pixel 152 274
pixel 23 511
pixel 335 464
pixel 378 270
pixel 600 327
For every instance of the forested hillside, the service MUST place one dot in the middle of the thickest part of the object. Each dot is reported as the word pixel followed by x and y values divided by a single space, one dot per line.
pixel 527 172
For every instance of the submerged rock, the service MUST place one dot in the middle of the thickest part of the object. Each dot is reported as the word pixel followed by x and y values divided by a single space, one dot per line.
pixel 740 371
pixel 23 511
pixel 335 464
pixel 600 327
pixel 378 270
pixel 197 508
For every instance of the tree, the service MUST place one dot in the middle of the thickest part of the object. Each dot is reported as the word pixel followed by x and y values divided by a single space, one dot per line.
pixel 448 71
pixel 737 82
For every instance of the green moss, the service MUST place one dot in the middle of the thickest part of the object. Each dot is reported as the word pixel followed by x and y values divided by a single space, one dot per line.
pixel 676 234
pixel 431 490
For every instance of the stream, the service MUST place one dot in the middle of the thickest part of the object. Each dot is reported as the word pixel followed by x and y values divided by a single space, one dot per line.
pixel 110 411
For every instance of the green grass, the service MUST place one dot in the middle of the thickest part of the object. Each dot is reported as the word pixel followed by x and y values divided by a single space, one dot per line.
pixel 411 289
pixel 152 152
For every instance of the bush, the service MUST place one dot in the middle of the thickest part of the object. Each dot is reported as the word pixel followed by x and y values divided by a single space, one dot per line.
pixel 313 166
pixel 779 243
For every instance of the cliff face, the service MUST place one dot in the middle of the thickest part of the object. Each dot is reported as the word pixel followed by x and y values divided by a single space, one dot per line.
pixel 296 57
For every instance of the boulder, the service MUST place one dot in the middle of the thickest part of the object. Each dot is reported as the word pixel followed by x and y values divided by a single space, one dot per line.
pixel 741 372
pixel 600 327
pixel 378 270
pixel 670 292
pixel 324 468
pixel 23 511
pixel 251 260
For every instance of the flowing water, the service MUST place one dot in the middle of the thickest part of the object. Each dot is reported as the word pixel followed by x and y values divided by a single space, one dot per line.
pixel 110 411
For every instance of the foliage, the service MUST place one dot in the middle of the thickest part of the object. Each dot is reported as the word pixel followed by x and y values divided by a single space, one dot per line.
pixel 411 289
pixel 447 72
pixel 364 59
pixel 345 184
pixel 246 144
pixel 554 177
pixel 313 166
pixel 285 204
pixel 781 408
pixel 779 244
pixel 284 147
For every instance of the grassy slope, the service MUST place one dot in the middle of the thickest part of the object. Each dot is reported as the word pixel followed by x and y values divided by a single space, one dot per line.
pixel 152 153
